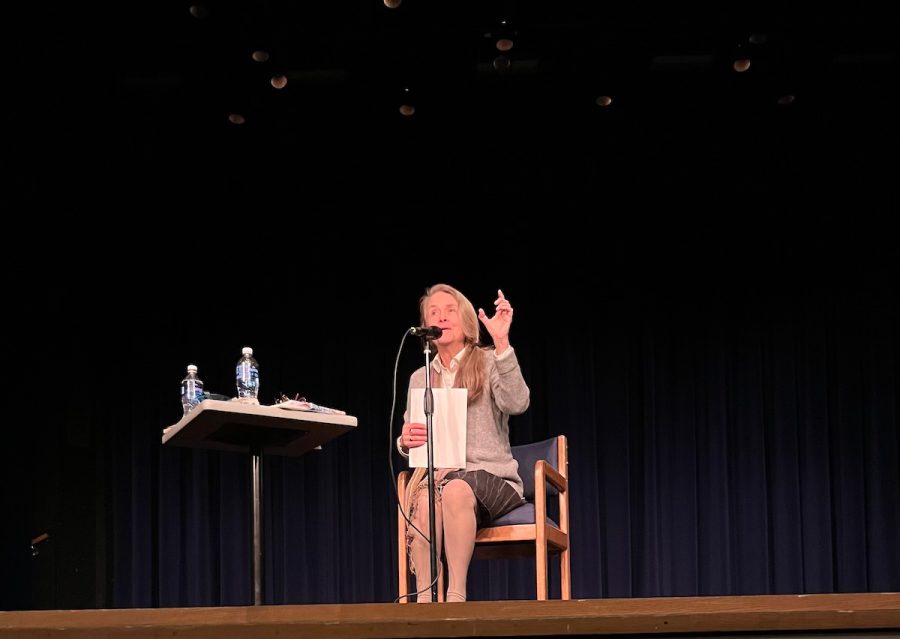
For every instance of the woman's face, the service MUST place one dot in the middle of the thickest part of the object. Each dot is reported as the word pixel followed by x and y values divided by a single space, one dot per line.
pixel 442 310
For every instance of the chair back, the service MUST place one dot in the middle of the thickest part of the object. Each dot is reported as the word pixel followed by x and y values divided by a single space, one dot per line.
pixel 528 455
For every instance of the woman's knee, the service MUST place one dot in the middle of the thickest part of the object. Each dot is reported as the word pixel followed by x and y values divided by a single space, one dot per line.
pixel 457 497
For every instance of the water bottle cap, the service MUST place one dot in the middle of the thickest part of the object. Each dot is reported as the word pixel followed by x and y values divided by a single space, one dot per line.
pixel 247 350
pixel 191 368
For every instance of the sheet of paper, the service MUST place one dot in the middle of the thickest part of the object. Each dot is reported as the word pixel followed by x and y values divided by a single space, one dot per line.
pixel 448 425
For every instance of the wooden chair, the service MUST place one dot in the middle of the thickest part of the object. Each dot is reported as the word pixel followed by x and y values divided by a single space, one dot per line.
pixel 525 531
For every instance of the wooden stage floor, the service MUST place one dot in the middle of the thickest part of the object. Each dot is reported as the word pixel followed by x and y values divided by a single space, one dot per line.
pixel 830 615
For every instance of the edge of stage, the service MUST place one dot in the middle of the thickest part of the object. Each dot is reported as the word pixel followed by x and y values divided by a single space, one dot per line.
pixel 840 615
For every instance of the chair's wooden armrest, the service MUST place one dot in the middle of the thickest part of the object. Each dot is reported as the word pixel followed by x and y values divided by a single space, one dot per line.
pixel 546 472
pixel 402 481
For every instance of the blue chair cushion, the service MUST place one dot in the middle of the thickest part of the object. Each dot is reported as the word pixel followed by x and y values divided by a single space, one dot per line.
pixel 523 514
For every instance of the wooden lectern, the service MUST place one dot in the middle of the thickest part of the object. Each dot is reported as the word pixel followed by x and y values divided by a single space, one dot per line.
pixel 254 429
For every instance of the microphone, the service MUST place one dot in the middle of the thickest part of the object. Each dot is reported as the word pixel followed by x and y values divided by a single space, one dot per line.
pixel 428 332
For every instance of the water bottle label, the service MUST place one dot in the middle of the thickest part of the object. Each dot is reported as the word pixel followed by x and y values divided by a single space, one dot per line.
pixel 247 380
pixel 191 394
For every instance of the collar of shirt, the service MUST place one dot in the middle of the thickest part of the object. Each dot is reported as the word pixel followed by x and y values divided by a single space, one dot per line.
pixel 448 373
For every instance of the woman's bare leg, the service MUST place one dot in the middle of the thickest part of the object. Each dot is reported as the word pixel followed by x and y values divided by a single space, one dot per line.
pixel 420 549
pixel 460 525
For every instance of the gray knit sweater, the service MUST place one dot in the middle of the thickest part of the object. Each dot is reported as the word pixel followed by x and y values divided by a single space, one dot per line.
pixel 487 419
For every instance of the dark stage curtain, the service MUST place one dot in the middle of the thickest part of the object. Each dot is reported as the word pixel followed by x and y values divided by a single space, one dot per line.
pixel 733 437
pixel 733 428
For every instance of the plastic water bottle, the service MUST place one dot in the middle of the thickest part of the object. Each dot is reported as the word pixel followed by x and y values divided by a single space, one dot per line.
pixel 247 375
pixel 191 389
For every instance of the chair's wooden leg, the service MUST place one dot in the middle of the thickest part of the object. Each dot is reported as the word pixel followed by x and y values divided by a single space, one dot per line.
pixel 402 568
pixel 540 561
pixel 565 575
pixel 402 558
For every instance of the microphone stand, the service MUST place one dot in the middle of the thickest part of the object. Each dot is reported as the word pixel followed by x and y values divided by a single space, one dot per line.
pixel 429 411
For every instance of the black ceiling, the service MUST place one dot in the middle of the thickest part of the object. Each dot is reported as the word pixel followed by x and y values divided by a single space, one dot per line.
pixel 150 86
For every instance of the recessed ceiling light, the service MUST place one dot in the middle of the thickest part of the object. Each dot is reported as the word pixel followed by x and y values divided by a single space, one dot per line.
pixel 758 38
pixel 501 63
pixel 199 11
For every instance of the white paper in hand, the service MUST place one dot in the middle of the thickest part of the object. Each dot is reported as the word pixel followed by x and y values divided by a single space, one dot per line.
pixel 448 425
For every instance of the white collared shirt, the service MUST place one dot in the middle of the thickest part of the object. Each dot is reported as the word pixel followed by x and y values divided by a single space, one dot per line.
pixel 448 373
